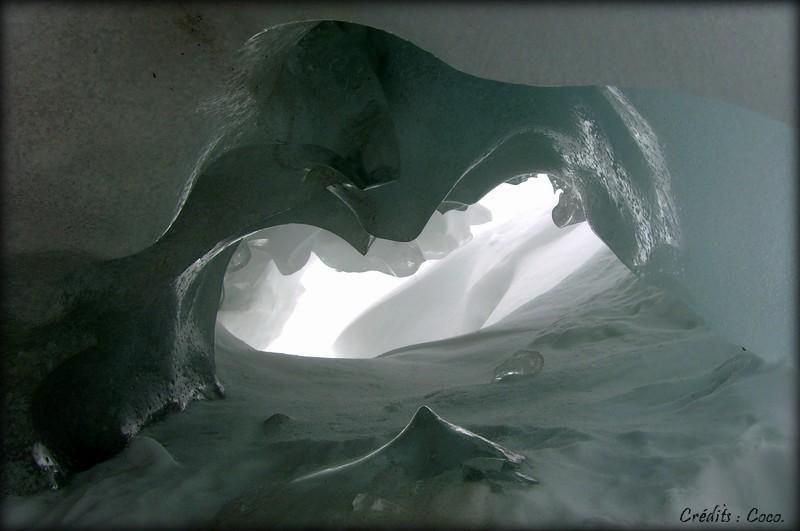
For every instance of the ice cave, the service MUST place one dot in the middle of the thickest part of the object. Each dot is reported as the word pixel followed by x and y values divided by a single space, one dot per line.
pixel 386 265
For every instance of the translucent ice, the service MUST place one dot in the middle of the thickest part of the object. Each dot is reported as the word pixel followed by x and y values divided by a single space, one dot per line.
pixel 521 363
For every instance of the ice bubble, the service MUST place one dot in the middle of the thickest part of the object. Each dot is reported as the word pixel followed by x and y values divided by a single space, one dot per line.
pixel 522 363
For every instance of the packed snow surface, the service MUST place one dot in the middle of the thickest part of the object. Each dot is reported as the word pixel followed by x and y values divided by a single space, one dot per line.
pixel 639 411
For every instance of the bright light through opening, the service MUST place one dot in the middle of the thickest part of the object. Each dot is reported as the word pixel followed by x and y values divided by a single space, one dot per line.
pixel 333 299
pixel 319 311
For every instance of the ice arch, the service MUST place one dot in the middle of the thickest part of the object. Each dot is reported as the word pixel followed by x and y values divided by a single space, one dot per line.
pixel 354 130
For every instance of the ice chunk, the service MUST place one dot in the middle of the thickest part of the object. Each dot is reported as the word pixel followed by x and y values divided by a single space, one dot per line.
pixel 522 363
pixel 569 209
pixel 47 463
pixel 427 446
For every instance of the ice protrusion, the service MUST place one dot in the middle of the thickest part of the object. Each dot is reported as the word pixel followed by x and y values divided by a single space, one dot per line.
pixel 405 481
pixel 275 423
pixel 428 446
pixel 523 363
pixel 146 452
pixel 47 463
pixel 569 209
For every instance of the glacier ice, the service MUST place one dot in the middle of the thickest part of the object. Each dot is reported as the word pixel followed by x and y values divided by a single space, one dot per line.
pixel 522 363
pixel 355 131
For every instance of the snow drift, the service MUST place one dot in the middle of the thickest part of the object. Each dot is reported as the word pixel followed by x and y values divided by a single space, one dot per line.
pixel 639 411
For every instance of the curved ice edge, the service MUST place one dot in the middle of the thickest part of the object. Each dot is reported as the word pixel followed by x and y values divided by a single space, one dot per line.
pixel 430 443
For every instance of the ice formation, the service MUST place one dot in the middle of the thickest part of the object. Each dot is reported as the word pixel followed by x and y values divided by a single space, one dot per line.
pixel 351 129
pixel 427 446
pixel 522 363
pixel 393 481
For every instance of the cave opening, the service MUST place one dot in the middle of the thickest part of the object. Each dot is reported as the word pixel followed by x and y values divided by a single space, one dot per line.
pixel 315 309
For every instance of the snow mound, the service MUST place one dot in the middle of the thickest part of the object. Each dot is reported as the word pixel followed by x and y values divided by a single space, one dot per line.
pixel 400 482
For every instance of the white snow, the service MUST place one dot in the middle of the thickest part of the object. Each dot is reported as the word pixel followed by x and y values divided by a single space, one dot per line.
pixel 639 411
pixel 516 256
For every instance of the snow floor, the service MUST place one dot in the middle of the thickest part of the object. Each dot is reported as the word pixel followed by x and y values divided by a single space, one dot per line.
pixel 639 412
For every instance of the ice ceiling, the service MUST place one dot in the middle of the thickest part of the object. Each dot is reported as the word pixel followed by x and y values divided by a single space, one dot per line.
pixel 363 134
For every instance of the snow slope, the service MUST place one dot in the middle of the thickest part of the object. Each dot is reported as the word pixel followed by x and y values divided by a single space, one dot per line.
pixel 639 412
